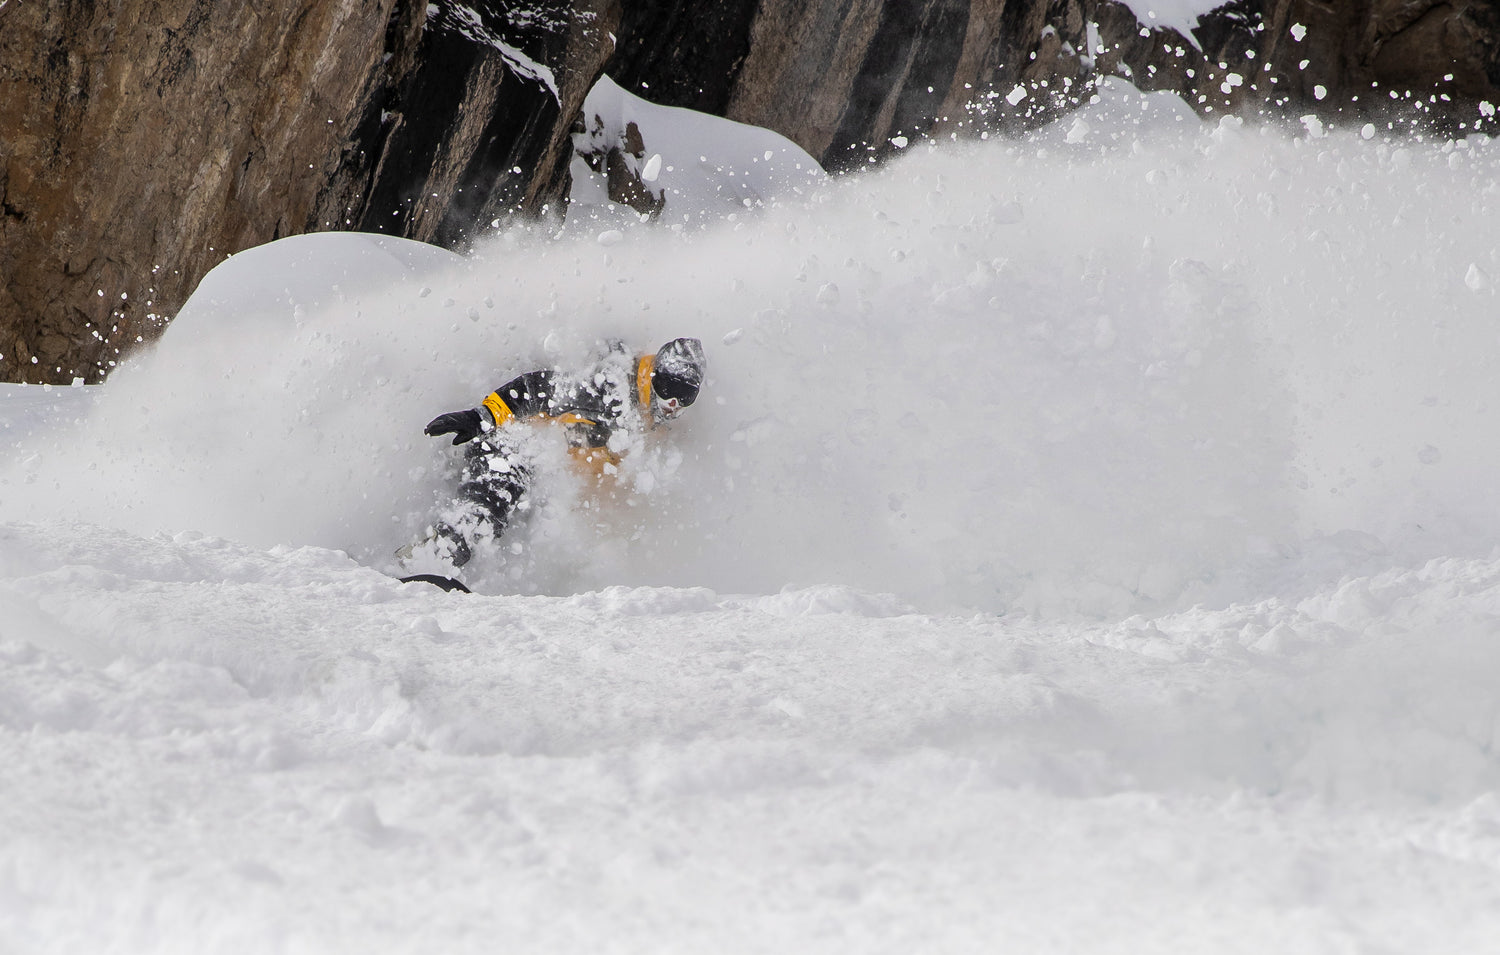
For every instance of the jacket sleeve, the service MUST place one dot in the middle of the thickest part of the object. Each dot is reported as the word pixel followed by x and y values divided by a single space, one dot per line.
pixel 526 396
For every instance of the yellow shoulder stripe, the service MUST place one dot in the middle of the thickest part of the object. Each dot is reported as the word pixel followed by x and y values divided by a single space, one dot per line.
pixel 643 371
pixel 498 409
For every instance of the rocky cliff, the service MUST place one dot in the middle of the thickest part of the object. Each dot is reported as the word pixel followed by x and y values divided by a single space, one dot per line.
pixel 846 78
pixel 143 140
pixel 1401 64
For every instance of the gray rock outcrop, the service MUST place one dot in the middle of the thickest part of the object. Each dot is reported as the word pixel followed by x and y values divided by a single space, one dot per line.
pixel 843 78
pixel 143 141
pixel 1407 64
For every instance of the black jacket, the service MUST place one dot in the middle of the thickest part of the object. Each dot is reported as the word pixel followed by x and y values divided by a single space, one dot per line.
pixel 614 394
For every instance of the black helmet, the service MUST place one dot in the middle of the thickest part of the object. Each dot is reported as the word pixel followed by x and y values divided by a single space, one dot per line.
pixel 677 371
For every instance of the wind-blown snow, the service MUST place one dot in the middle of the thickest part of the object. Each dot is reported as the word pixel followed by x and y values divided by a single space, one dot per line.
pixel 1085 543
pixel 1114 368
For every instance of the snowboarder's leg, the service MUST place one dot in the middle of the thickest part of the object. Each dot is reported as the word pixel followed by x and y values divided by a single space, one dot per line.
pixel 441 549
pixel 494 481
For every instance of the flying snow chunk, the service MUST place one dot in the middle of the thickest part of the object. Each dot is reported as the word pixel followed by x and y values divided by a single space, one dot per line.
pixel 1320 91
pixel 1314 126
pixel 1015 96
pixel 611 237
pixel 1078 132
pixel 653 168
pixel 900 142
pixel 1298 32
pixel 1368 132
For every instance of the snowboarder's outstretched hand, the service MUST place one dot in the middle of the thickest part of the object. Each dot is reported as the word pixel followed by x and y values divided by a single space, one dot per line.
pixel 463 425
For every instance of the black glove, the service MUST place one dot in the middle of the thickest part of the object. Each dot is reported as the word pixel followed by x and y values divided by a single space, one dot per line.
pixel 463 425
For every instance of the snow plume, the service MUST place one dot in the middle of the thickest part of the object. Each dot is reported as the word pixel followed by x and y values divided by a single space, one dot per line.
pixel 1136 362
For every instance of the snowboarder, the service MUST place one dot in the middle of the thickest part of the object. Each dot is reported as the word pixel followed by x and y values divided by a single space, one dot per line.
pixel 620 396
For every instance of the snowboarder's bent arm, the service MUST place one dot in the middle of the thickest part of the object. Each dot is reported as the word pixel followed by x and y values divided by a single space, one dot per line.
pixel 527 396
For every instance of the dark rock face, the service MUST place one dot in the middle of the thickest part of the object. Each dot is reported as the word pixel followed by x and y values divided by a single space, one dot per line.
pixel 843 78
pixel 1424 63
pixel 143 141
pixel 683 52
pixel 894 67
pixel 482 130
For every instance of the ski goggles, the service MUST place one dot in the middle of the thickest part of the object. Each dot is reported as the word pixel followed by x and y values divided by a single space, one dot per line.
pixel 669 387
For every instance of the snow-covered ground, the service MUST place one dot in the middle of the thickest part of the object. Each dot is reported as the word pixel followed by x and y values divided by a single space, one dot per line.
pixel 1084 544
